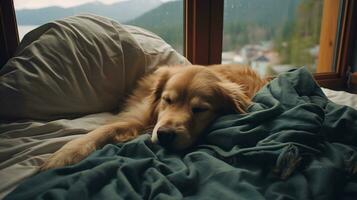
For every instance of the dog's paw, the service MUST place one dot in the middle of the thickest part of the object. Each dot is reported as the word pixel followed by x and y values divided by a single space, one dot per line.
pixel 68 155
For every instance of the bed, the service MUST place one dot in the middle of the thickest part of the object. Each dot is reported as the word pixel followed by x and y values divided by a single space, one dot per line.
pixel 298 141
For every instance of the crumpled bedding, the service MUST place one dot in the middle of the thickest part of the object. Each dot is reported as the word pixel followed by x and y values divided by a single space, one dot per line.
pixel 24 145
pixel 293 144
pixel 63 81
pixel 78 65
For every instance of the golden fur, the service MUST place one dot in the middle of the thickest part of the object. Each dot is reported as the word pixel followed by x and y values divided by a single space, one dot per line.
pixel 178 102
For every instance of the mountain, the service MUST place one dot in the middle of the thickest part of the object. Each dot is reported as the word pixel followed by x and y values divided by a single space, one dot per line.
pixel 121 11
pixel 245 22
pixel 249 22
pixel 302 34
pixel 166 21
pixel 268 12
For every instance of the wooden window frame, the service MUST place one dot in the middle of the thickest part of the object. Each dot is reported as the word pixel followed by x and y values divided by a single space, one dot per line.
pixel 203 36
pixel 203 42
pixel 203 31
pixel 342 47
pixel 9 38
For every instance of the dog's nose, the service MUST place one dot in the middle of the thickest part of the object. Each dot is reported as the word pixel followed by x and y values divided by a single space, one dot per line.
pixel 166 135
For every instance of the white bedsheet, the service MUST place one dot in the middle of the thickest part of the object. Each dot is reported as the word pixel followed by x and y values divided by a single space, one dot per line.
pixel 341 97
pixel 25 145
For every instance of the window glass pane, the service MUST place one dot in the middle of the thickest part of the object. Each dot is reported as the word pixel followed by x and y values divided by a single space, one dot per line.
pixel 163 17
pixel 272 36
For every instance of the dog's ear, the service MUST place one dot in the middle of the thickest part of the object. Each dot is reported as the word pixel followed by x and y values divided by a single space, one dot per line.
pixel 233 97
pixel 161 77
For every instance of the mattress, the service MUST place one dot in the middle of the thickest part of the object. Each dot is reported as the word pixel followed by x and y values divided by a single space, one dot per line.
pixel 25 145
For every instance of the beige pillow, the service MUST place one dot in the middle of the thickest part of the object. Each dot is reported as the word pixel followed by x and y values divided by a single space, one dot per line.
pixel 79 65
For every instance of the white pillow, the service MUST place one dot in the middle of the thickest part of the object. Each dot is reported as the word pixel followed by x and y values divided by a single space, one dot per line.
pixel 341 97
pixel 79 65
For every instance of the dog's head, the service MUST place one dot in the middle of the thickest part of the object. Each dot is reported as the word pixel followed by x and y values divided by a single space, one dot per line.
pixel 187 100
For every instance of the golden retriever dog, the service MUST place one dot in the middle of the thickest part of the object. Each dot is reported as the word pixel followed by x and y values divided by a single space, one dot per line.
pixel 179 102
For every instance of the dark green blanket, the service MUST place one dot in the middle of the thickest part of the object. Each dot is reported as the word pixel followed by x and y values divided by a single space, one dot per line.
pixel 293 144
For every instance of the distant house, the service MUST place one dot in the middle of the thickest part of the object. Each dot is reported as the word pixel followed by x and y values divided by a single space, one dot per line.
pixel 249 52
pixel 231 57
pixel 260 64
pixel 314 51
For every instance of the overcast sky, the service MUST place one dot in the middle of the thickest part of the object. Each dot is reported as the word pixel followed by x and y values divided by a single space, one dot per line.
pixel 31 4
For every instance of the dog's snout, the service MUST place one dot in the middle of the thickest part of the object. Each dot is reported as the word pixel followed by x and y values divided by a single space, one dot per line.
pixel 166 135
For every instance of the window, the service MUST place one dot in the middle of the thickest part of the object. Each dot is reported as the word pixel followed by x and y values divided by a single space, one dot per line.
pixel 163 17
pixel 203 35
pixel 274 36
pixel 203 38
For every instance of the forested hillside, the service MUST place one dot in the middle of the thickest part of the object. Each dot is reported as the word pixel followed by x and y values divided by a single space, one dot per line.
pixel 292 26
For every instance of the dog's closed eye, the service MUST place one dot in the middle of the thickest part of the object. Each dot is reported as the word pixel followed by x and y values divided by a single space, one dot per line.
pixel 196 110
pixel 167 100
